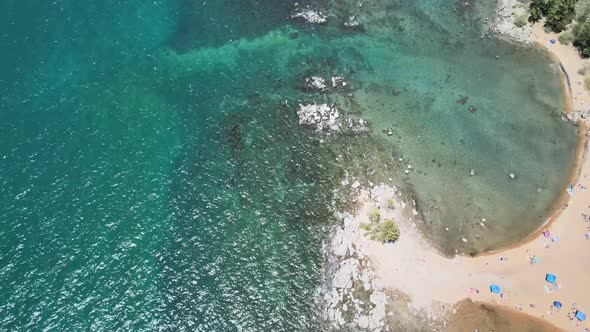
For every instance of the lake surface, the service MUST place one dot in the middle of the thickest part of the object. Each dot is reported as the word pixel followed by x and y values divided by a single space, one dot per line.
pixel 153 174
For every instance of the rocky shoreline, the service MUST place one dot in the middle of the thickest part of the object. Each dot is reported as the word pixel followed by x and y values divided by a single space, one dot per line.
pixel 352 296
pixel 505 27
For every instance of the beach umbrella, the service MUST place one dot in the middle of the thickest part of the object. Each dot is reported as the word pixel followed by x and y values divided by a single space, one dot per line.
pixel 557 304
pixel 550 278
pixel 580 315
pixel 495 289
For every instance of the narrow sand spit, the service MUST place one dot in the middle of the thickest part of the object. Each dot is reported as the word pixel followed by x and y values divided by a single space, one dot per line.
pixel 432 281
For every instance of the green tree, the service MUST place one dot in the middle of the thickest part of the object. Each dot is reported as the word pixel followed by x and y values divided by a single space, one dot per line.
pixel 538 9
pixel 388 231
pixel 582 28
pixel 565 37
pixel 582 38
pixel 559 13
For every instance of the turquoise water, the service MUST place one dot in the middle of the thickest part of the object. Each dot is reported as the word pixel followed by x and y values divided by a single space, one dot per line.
pixel 154 176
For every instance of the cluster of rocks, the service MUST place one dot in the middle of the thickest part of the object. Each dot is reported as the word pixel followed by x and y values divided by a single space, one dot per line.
pixel 315 83
pixel 321 117
pixel 351 22
pixel 324 117
pixel 310 15
pixel 353 297
pixel 505 26
pixel 357 126
pixel 578 116
pixel 338 82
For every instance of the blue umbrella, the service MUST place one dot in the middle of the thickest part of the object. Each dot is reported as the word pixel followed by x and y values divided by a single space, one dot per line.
pixel 580 315
pixel 550 278
pixel 495 289
pixel 557 304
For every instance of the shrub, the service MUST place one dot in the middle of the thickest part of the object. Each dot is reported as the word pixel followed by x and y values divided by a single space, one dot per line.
pixel 391 203
pixel 565 37
pixel 520 20
pixel 374 216
pixel 388 231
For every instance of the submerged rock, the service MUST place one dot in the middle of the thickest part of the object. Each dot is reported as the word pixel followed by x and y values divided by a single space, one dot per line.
pixel 319 116
pixel 462 100
pixel 359 126
pixel 338 82
pixel 315 83
pixel 578 116
pixel 310 15
pixel 351 22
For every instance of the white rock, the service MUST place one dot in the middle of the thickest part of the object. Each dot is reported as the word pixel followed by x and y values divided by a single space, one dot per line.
pixel 363 322
pixel 338 81
pixel 321 117
pixel 311 16
pixel 316 82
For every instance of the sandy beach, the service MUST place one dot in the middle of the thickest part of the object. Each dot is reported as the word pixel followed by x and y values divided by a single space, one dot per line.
pixel 435 284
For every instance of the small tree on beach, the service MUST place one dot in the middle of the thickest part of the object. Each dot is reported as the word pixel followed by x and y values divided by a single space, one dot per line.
pixel 385 231
pixel 565 37
pixel 388 231
pixel 520 21
pixel 391 203
pixel 374 216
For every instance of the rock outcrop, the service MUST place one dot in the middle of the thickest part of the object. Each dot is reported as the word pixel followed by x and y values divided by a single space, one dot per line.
pixel 321 117
pixel 506 14
pixel 310 15
pixel 353 297
pixel 315 83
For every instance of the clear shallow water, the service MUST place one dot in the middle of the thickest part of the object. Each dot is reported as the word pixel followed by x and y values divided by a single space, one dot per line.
pixel 150 177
